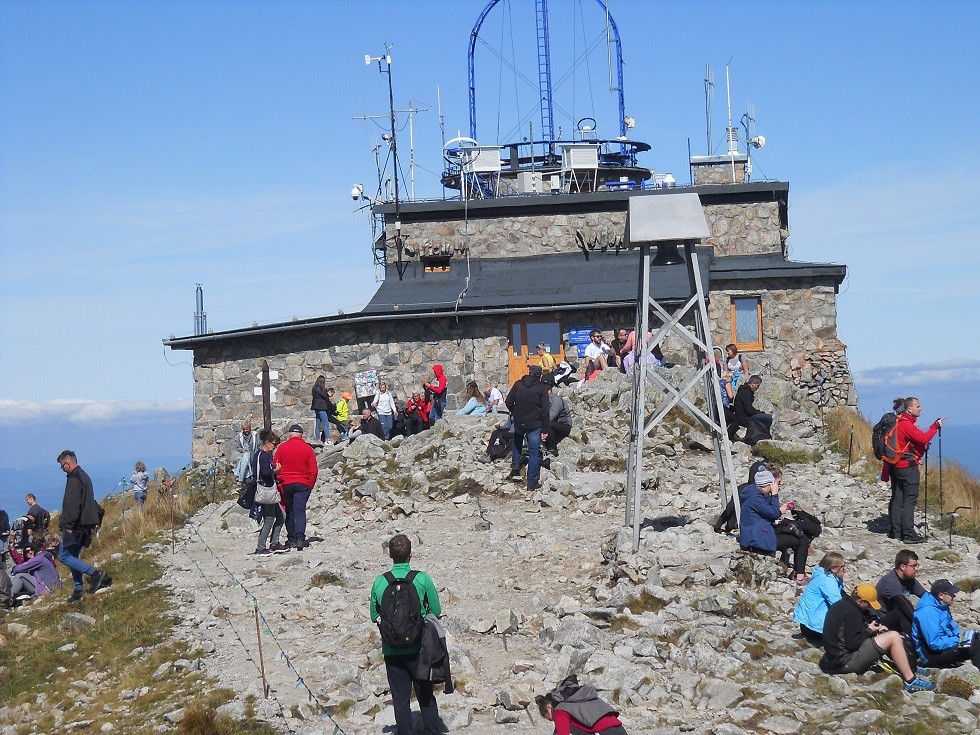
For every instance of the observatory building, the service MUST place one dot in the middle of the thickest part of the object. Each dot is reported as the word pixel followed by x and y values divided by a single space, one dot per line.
pixel 534 246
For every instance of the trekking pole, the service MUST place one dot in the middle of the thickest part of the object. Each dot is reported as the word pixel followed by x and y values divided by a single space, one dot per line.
pixel 925 490
pixel 940 432
pixel 258 635
pixel 850 446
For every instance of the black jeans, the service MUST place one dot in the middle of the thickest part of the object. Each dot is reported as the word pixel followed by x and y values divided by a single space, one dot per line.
pixel 401 681
pixel 902 510
pixel 952 656
pixel 556 432
pixel 786 543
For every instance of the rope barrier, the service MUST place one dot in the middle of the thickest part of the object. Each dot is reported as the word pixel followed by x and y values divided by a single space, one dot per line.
pixel 267 628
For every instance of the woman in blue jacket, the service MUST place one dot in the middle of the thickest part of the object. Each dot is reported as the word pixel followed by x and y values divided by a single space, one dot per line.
pixel 760 507
pixel 938 638
pixel 825 588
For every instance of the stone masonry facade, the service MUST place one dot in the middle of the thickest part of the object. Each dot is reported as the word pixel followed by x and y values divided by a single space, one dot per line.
pixel 736 229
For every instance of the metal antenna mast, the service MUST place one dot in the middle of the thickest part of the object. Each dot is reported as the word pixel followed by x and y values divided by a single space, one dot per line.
pixel 544 73
pixel 709 93
pixel 384 67
pixel 667 223
pixel 410 111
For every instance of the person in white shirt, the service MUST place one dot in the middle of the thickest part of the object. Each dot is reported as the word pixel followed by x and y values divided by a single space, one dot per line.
pixel 494 397
pixel 384 402
pixel 597 354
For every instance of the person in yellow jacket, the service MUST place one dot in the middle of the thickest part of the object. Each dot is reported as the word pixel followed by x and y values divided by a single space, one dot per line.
pixel 343 415
pixel 547 360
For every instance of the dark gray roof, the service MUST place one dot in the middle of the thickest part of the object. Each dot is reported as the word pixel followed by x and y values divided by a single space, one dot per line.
pixel 530 284
pixel 772 265
pixel 559 280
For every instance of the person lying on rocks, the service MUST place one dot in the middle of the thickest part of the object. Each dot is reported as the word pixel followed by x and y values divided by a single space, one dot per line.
pixel 895 588
pixel 938 639
pixel 578 710
pixel 853 642
pixel 825 589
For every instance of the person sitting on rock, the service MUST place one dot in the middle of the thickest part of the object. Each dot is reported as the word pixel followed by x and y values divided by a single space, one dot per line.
pixel 758 423
pixel 560 421
pixel 476 404
pixel 825 588
pixel 853 644
pixel 33 574
pixel 578 710
pixel 895 588
pixel 417 413
pixel 760 507
pixel 938 639
pixel 370 424
pixel 728 521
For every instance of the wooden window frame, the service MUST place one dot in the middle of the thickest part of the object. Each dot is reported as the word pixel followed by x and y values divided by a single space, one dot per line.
pixel 747 346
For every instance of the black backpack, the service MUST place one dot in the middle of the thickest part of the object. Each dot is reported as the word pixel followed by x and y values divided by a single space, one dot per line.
pixel 884 440
pixel 808 523
pixel 4 523
pixel 45 520
pixel 401 612
pixel 501 444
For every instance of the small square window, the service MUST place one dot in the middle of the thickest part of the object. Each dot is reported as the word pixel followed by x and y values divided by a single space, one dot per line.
pixel 436 263
pixel 746 319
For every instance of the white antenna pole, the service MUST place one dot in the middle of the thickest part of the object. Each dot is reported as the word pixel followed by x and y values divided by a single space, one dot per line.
pixel 709 84
pixel 411 152
pixel 732 132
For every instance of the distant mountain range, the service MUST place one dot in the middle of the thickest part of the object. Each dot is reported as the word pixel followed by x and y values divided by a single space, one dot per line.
pixel 47 481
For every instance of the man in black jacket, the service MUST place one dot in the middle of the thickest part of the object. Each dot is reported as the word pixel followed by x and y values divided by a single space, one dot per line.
pixel 80 516
pixel 853 645
pixel 529 407
pixel 758 423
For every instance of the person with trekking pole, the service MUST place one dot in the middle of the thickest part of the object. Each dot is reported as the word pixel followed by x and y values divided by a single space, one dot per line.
pixel 912 443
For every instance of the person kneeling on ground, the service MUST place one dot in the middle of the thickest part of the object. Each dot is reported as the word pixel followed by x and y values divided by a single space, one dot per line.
pixel 578 710
pixel 853 645
pixel 938 639
pixel 825 589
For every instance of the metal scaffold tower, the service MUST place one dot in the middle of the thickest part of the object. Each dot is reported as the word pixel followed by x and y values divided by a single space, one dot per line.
pixel 665 224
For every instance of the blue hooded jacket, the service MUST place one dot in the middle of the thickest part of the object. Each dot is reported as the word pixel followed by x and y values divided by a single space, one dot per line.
pixel 758 512
pixel 823 591
pixel 933 627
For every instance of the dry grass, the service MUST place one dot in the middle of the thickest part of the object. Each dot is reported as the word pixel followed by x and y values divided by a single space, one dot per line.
pixel 959 488
pixel 135 613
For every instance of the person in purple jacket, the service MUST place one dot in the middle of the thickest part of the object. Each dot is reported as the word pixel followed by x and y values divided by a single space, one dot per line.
pixel 33 574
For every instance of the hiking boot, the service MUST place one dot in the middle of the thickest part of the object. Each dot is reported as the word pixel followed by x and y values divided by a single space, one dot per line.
pixel 262 552
pixel 918 685
pixel 913 538
pixel 515 473
pixel 76 596
pixel 98 581
pixel 279 549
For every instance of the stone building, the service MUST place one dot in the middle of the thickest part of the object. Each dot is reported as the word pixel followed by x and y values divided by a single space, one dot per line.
pixel 476 284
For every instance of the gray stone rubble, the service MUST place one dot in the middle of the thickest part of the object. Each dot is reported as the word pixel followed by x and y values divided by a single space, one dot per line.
pixel 686 634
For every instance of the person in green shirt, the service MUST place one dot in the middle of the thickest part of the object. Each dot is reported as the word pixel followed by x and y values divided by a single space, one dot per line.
pixel 400 663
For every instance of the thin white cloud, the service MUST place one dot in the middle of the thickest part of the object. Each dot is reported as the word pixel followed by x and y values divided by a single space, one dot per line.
pixel 88 413
pixel 957 370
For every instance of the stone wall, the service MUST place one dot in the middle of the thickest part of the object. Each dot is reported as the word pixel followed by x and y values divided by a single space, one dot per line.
pixel 799 328
pixel 737 229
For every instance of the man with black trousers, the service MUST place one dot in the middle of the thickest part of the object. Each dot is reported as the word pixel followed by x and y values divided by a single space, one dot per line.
pixel 913 443
pixel 401 662
pixel 758 423
pixel 80 517
pixel 529 407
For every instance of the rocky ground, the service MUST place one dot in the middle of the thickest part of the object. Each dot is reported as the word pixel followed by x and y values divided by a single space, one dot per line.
pixel 688 634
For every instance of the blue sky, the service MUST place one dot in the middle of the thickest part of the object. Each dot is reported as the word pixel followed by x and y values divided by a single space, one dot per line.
pixel 145 147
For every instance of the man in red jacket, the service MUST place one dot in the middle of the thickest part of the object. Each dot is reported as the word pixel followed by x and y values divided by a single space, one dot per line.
pixel 297 472
pixel 905 474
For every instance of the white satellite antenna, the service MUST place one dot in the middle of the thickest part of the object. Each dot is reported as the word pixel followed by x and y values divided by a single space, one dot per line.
pixel 709 93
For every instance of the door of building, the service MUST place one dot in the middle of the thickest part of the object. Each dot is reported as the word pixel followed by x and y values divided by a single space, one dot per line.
pixel 525 335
